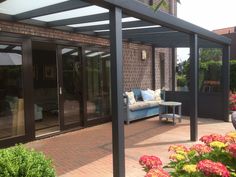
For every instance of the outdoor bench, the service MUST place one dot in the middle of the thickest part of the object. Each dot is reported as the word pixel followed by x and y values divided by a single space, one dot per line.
pixel 141 107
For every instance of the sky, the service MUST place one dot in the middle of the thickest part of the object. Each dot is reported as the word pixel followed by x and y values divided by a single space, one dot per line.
pixel 209 14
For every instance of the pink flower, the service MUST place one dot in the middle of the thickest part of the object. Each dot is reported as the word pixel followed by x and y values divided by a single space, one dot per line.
pixel 157 172
pixel 209 168
pixel 149 162
pixel 232 149
pixel 207 139
pixel 201 148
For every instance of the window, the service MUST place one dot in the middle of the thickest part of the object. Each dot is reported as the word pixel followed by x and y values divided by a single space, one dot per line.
pixel 12 121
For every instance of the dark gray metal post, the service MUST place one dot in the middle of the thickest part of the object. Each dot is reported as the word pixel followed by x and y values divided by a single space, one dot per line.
pixel 225 81
pixel 193 87
pixel 153 68
pixel 173 53
pixel 117 92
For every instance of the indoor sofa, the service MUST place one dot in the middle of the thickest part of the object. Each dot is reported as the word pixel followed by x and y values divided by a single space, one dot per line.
pixel 137 106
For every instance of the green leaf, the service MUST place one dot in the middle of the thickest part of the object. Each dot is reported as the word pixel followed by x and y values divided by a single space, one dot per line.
pixel 162 3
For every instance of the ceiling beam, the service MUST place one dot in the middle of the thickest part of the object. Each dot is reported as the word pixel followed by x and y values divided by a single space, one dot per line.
pixel 139 31
pixel 168 39
pixel 141 11
pixel 106 26
pixel 60 7
pixel 78 20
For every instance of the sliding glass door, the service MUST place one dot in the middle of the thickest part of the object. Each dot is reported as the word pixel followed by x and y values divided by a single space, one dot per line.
pixel 70 86
pixel 97 61
pixel 12 115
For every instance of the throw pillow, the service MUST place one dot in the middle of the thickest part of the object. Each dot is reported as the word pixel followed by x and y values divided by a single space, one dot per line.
pixel 147 95
pixel 157 94
pixel 137 94
pixel 131 97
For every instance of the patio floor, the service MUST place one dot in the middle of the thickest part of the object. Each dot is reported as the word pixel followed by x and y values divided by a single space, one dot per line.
pixel 87 152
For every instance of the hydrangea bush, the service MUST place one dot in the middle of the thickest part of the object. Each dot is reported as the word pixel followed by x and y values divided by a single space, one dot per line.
pixel 214 157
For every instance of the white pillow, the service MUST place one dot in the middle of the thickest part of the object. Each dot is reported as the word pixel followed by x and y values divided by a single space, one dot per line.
pixel 148 95
pixel 131 97
pixel 157 94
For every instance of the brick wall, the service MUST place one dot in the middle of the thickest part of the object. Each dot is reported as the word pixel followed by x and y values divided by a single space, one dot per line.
pixel 230 33
pixel 25 29
pixel 225 30
pixel 167 61
pixel 137 72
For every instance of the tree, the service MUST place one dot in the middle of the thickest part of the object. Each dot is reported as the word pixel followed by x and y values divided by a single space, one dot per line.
pixel 207 54
pixel 162 3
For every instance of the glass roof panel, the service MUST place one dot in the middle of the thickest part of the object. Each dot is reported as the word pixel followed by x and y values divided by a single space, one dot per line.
pixel 13 7
pixel 128 19
pixel 3 46
pixel 94 54
pixel 91 10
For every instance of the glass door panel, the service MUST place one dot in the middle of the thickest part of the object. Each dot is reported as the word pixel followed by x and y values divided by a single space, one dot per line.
pixel 12 117
pixel 98 83
pixel 45 79
pixel 71 85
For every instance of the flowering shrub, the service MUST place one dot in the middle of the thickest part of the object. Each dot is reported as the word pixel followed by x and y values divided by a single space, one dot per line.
pixel 214 157
pixel 232 102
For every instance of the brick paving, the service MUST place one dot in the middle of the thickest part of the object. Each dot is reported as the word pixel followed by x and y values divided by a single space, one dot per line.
pixel 87 152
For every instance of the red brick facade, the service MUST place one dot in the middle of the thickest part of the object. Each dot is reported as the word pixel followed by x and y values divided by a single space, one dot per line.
pixel 230 33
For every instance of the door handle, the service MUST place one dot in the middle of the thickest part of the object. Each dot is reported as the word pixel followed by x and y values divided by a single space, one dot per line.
pixel 60 90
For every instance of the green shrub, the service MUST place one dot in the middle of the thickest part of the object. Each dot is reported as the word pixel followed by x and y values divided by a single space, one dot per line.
pixel 181 80
pixel 19 161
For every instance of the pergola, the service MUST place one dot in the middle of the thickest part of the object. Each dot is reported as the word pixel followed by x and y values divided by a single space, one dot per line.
pixel 157 29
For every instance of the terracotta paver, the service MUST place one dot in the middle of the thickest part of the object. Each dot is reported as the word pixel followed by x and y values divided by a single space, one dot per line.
pixel 88 152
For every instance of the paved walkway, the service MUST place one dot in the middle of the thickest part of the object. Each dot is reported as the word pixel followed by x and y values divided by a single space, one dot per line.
pixel 87 152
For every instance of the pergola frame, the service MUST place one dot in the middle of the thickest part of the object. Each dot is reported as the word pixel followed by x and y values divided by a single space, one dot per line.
pixel 180 32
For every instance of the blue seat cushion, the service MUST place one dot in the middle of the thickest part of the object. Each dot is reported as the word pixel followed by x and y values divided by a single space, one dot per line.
pixel 137 94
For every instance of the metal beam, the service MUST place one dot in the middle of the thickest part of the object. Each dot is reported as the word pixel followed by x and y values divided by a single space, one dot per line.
pixel 161 40
pixel 60 7
pixel 141 11
pixel 158 35
pixel 117 93
pixel 153 68
pixel 194 87
pixel 106 26
pixel 225 81
pixel 173 70
pixel 78 20
pixel 139 31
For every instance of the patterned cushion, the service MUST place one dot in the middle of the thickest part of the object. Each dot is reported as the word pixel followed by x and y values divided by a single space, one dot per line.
pixel 157 94
pixel 139 105
pixel 131 97
pixel 153 103
pixel 143 105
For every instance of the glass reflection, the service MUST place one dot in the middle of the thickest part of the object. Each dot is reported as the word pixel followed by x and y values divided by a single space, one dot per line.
pixel 12 121
pixel 98 82
pixel 71 85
